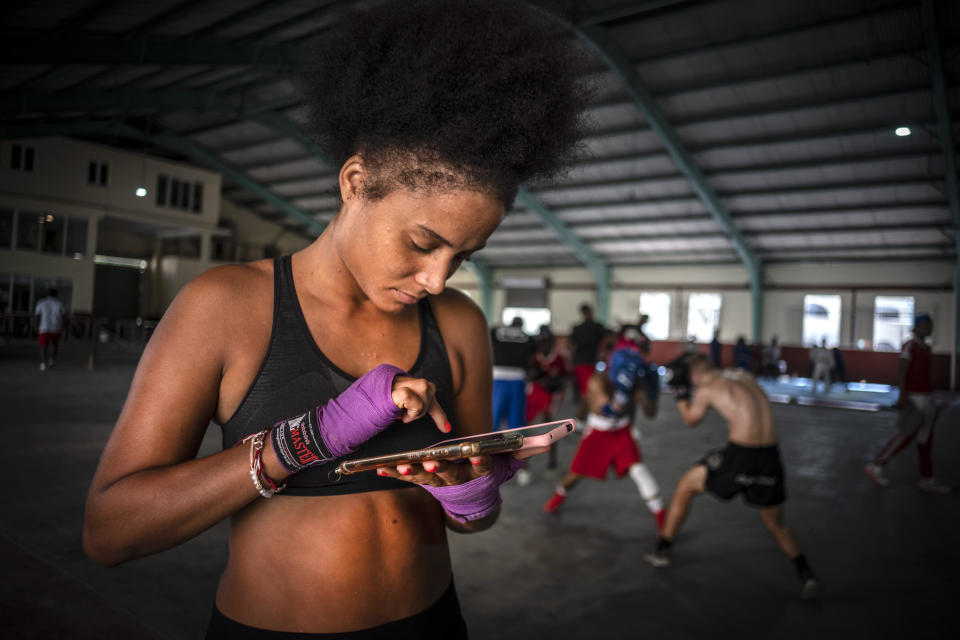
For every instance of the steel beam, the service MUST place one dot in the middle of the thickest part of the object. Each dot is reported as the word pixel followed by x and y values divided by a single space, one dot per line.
pixel 484 275
pixel 945 129
pixel 601 41
pixel 143 50
pixel 597 266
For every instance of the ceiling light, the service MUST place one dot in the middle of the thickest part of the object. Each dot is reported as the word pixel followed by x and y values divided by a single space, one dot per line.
pixel 902 131
pixel 141 192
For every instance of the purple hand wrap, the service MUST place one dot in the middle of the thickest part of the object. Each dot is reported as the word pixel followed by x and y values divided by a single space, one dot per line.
pixel 329 431
pixel 481 496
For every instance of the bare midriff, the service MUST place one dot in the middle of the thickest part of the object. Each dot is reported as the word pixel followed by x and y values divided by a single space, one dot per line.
pixel 335 563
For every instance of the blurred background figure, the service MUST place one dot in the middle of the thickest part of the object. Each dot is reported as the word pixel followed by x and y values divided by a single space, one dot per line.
pixel 548 382
pixel 821 358
pixel 716 349
pixel 918 410
pixel 586 340
pixel 839 372
pixel 741 354
pixel 770 367
pixel 51 318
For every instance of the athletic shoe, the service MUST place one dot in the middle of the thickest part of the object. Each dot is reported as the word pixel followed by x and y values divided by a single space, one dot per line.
pixel 43 366
pixel 929 485
pixel 524 477
pixel 658 559
pixel 554 503
pixel 875 472
pixel 810 587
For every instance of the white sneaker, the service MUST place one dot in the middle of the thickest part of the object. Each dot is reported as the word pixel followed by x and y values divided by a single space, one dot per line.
pixel 929 485
pixel 875 472
pixel 810 588
pixel 659 559
pixel 43 366
pixel 524 478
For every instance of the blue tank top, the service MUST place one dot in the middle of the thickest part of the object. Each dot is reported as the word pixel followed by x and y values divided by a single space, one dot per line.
pixel 296 376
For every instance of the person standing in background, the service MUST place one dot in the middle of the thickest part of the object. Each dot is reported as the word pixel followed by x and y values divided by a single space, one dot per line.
pixel 51 318
pixel 549 379
pixel 513 356
pixel 822 360
pixel 716 349
pixel 741 354
pixel 586 339
pixel 918 412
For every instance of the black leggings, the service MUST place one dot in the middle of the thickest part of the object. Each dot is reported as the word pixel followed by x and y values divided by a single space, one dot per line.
pixel 441 620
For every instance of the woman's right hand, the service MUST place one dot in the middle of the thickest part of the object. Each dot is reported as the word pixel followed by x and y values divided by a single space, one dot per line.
pixel 417 397
pixel 368 406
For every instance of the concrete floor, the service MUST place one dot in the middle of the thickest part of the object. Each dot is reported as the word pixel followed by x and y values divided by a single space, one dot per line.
pixel 888 558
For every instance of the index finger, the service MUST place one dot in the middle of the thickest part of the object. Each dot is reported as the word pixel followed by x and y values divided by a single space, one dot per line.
pixel 439 416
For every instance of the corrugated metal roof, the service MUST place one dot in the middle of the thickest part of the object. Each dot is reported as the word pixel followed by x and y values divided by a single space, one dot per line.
pixel 788 109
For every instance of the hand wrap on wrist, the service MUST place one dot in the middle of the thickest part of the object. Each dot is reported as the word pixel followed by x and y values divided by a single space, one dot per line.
pixel 479 497
pixel 329 431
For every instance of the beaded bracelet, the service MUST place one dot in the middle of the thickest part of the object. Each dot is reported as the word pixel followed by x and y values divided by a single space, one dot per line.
pixel 257 474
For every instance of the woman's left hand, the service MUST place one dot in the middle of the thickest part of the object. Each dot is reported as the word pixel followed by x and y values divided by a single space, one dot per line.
pixel 468 491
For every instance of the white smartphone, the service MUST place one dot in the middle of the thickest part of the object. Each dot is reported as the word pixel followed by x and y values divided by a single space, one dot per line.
pixel 530 437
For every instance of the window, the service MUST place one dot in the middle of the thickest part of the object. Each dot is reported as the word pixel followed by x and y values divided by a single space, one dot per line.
pixel 703 316
pixel 162 190
pixel 821 319
pixel 175 193
pixel 892 321
pixel 6 228
pixel 185 247
pixel 533 317
pixel 21 157
pixel 197 204
pixel 76 237
pixel 98 173
pixel 656 306
pixel 28 230
pixel 51 233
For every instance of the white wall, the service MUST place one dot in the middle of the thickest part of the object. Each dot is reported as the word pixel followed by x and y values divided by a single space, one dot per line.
pixel 783 300
pixel 59 177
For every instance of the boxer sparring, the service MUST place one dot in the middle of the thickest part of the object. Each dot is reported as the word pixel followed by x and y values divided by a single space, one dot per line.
pixel 749 464
pixel 613 395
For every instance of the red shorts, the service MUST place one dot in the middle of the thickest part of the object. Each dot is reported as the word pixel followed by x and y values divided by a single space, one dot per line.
pixel 599 450
pixel 582 373
pixel 538 400
pixel 48 338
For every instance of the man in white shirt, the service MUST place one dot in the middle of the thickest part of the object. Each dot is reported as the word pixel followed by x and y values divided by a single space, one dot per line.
pixel 50 319
pixel 822 360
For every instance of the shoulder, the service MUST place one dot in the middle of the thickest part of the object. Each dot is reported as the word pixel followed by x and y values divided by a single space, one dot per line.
pixel 221 304
pixel 907 351
pixel 457 315
pixel 229 287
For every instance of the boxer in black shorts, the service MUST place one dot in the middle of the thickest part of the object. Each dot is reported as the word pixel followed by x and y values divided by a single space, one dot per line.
pixel 755 472
pixel 748 464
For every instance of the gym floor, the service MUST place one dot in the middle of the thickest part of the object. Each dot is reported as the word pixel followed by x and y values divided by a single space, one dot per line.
pixel 888 558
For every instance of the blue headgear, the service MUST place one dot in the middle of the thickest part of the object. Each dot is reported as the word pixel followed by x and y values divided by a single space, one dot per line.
pixel 920 317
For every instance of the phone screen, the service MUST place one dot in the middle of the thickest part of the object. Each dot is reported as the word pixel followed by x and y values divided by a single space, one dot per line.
pixel 492 442
pixel 526 432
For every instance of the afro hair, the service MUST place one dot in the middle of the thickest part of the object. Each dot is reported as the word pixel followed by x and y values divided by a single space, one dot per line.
pixel 448 93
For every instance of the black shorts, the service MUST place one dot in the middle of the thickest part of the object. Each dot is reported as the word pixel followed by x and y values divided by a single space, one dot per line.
pixel 440 621
pixel 755 472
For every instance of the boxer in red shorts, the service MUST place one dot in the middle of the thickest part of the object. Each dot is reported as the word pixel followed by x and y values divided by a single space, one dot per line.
pixel 608 441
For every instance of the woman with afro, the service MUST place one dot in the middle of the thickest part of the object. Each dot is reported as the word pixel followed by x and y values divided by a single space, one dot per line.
pixel 435 112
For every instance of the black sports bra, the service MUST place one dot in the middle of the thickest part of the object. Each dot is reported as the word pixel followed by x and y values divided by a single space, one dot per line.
pixel 296 376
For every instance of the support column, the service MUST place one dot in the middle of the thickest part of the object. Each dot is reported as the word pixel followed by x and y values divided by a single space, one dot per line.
pixel 485 278
pixel 945 133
